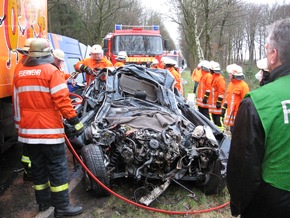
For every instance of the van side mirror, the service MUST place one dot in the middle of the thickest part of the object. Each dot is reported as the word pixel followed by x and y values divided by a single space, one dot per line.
pixel 165 44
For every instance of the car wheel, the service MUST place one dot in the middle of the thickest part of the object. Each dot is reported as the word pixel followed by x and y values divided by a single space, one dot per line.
pixel 213 182
pixel 92 156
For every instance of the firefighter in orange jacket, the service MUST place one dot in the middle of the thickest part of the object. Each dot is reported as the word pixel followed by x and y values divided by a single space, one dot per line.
pixel 236 91
pixel 42 98
pixel 204 88
pixel 96 61
pixel 218 89
pixel 121 59
pixel 196 75
pixel 169 65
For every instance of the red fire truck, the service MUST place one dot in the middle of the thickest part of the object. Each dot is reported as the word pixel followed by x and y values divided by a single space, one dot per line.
pixel 142 44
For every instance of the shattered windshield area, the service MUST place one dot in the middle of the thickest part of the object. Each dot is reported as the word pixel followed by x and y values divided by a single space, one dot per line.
pixel 138 44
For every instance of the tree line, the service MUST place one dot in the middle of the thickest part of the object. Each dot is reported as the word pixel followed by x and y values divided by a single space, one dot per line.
pixel 226 31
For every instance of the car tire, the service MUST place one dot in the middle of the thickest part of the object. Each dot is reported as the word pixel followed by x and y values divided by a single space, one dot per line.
pixel 93 158
pixel 213 181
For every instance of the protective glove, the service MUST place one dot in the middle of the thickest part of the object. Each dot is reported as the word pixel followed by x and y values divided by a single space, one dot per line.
pixel 205 97
pixel 219 103
pixel 74 75
pixel 224 108
pixel 79 128
pixel 86 69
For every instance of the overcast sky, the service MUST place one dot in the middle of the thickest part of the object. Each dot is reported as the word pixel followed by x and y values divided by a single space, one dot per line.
pixel 160 5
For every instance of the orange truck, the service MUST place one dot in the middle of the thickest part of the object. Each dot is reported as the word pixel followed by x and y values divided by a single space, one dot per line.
pixel 19 20
pixel 141 43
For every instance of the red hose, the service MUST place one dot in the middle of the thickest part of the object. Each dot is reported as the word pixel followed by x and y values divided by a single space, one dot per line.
pixel 134 203
pixel 77 96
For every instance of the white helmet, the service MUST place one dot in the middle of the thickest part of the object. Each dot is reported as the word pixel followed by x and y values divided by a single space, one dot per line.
pixel 205 65
pixel 97 49
pixel 169 61
pixel 58 54
pixel 262 64
pixel 122 55
pixel 155 61
pixel 235 70
pixel 39 47
pixel 215 66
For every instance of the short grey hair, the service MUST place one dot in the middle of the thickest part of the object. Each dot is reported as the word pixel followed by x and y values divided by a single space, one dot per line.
pixel 279 39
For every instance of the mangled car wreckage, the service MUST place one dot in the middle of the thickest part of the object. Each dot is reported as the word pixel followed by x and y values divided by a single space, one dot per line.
pixel 138 126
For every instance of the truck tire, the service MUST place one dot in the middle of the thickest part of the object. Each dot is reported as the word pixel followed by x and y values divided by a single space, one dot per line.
pixel 213 182
pixel 92 156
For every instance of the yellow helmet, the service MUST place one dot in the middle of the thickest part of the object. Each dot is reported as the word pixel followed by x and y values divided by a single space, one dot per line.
pixel 39 47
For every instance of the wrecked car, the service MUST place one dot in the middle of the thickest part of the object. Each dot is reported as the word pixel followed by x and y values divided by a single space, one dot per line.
pixel 139 126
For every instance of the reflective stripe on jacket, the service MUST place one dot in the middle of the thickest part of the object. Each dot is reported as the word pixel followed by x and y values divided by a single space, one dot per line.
pixel 42 97
pixel 236 91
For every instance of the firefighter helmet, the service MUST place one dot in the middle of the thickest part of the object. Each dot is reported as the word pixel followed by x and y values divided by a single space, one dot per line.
pixel 122 55
pixel 25 48
pixel 97 49
pixel 39 47
pixel 155 61
pixel 58 54
pixel 215 67
pixel 262 64
pixel 169 61
pixel 235 70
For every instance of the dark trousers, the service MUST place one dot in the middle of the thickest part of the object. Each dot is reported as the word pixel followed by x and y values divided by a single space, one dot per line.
pixel 269 202
pixel 195 87
pixel 216 119
pixel 204 111
pixel 49 173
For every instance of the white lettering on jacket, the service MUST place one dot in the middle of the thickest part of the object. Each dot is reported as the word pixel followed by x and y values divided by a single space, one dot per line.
pixel 286 111
pixel 34 72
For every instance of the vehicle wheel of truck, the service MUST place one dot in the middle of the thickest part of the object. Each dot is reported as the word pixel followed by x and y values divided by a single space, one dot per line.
pixel 213 182
pixel 93 158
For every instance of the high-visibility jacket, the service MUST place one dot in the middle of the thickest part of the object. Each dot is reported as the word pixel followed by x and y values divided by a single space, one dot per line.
pixel 42 98
pixel 218 90
pixel 93 64
pixel 203 87
pixel 119 64
pixel 196 74
pixel 177 77
pixel 236 91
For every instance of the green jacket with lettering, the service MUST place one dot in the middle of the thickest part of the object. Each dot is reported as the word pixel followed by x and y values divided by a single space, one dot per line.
pixel 272 102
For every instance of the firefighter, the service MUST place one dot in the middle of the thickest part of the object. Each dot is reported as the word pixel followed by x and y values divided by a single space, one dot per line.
pixel 95 62
pixel 263 74
pixel 42 98
pixel 204 88
pixel 196 75
pixel 25 160
pixel 59 55
pixel 236 90
pixel 121 59
pixel 218 89
pixel 169 65
pixel 154 64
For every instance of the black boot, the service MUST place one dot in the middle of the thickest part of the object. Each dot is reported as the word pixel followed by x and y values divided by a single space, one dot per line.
pixel 43 207
pixel 67 211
